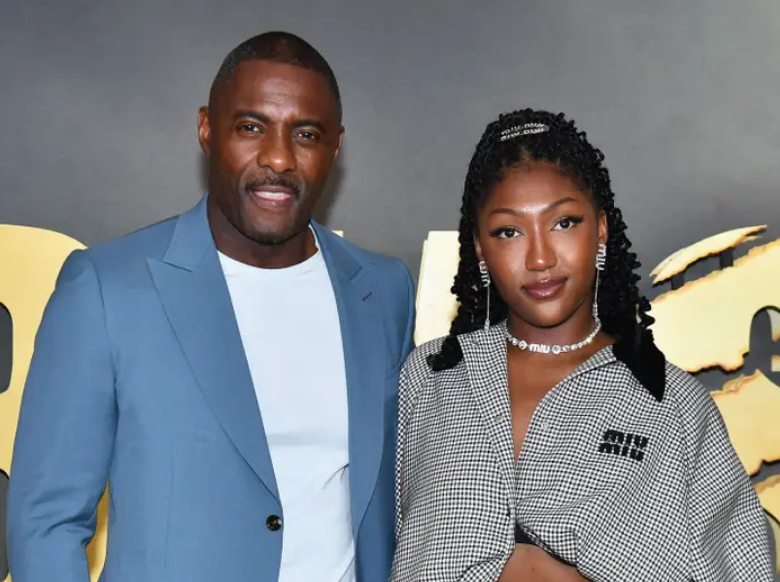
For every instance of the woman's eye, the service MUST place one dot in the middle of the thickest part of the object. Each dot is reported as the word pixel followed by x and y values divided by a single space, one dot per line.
pixel 568 222
pixel 506 232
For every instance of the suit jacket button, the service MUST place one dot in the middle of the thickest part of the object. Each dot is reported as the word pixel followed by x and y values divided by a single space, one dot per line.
pixel 274 522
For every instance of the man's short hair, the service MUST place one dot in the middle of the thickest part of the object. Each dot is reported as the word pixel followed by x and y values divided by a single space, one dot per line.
pixel 278 47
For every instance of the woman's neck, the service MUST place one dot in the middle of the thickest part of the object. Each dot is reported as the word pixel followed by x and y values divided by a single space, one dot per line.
pixel 573 330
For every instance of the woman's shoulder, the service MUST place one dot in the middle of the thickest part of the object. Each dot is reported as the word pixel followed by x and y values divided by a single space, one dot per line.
pixel 415 374
pixel 416 365
pixel 682 388
pixel 691 399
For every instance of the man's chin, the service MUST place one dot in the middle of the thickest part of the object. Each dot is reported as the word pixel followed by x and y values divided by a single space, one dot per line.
pixel 279 237
pixel 270 240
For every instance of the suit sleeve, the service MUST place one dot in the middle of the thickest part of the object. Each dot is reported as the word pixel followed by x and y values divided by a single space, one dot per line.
pixel 408 343
pixel 728 535
pixel 404 387
pixel 65 436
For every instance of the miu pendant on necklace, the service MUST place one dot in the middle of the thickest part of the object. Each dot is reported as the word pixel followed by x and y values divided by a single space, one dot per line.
pixel 548 349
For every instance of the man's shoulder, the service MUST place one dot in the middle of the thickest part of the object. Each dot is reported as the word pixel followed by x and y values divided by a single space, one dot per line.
pixel 379 264
pixel 121 254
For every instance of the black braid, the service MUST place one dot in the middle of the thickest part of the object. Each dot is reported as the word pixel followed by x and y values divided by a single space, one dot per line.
pixel 623 311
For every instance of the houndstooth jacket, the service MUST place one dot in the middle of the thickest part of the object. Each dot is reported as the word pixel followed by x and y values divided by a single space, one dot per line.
pixel 610 480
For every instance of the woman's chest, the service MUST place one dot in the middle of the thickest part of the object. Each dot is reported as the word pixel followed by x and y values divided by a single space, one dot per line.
pixel 526 392
pixel 598 472
pixel 583 448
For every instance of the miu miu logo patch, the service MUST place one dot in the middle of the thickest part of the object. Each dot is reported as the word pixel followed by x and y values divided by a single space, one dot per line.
pixel 623 444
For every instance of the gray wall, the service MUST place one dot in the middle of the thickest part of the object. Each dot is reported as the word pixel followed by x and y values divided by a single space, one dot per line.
pixel 99 99
pixel 98 103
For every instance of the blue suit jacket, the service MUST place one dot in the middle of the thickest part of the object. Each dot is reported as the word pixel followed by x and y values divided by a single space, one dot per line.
pixel 139 377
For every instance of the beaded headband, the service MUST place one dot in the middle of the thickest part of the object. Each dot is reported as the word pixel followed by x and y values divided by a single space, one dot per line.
pixel 525 129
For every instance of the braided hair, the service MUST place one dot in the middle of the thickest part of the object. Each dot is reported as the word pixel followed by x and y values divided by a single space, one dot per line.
pixel 622 310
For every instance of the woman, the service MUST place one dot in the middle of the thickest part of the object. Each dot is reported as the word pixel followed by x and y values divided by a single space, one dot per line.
pixel 546 437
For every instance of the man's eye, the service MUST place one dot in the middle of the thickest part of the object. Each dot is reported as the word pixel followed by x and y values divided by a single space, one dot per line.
pixel 307 135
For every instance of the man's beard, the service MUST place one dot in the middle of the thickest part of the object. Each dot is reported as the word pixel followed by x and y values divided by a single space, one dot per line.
pixel 275 240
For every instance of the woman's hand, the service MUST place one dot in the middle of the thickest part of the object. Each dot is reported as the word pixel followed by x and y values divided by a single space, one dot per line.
pixel 529 563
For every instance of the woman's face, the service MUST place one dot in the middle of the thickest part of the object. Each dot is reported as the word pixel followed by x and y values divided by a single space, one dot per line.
pixel 539 235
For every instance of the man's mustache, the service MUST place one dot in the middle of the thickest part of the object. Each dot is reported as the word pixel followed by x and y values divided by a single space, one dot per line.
pixel 274 180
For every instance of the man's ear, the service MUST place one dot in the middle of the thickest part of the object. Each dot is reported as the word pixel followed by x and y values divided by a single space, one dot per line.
pixel 204 130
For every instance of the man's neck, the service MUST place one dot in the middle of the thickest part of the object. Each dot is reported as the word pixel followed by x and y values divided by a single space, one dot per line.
pixel 292 252
pixel 234 244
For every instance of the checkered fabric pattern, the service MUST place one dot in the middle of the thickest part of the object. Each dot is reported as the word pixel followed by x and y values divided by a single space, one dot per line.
pixel 610 480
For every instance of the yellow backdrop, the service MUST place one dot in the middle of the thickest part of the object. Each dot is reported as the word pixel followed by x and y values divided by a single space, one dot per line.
pixel 703 324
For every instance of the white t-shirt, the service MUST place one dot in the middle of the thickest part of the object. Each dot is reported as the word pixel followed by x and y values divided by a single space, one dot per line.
pixel 289 326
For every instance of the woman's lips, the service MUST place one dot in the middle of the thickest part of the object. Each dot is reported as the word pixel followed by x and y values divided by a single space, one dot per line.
pixel 547 289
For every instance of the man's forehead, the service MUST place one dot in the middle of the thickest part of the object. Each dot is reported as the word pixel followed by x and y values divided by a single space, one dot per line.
pixel 266 83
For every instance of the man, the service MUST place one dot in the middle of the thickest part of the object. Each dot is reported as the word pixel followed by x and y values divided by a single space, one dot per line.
pixel 232 373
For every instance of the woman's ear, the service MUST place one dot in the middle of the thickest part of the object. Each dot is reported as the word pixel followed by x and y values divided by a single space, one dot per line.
pixel 603 229
pixel 478 248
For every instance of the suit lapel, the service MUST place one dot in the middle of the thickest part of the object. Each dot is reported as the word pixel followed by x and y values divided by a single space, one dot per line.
pixel 364 358
pixel 195 296
pixel 484 353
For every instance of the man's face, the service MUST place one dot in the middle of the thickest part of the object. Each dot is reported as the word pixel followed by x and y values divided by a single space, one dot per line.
pixel 271 136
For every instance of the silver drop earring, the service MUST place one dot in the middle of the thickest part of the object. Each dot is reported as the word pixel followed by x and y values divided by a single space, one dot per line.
pixel 601 262
pixel 485 276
